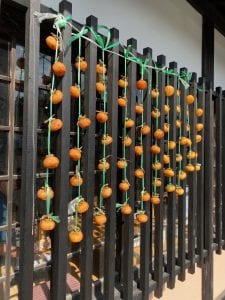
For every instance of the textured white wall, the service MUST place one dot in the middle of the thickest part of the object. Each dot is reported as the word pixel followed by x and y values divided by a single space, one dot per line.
pixel 169 27
pixel 219 63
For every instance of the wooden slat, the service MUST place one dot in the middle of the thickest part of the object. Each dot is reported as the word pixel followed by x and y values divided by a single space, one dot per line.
pixel 200 176
pixel 223 169
pixel 158 262
pixel 192 180
pixel 88 161
pixel 218 171
pixel 110 205
pixel 60 207
pixel 146 229
pixel 182 199
pixel 171 213
pixel 128 227
pixel 207 270
pixel 28 190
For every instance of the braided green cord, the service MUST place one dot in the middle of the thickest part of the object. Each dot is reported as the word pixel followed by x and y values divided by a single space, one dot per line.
pixel 48 202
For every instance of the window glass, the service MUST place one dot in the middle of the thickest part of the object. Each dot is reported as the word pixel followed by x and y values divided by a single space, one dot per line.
pixel 4 103
pixel 4 153
pixel 20 61
pixel 4 58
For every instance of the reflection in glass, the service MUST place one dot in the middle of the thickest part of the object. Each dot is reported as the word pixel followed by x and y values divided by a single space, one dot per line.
pixel 4 103
pixel 17 153
pixel 20 62
pixel 44 70
pixel 4 58
pixel 4 153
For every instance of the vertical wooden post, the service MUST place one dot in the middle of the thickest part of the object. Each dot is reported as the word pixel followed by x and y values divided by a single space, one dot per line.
pixel 60 203
pixel 207 269
pixel 89 165
pixel 28 191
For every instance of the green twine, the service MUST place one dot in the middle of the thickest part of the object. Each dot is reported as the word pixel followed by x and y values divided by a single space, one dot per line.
pixel 141 141
pixel 48 202
pixel 104 134
pixel 180 134
pixel 126 52
pixel 157 124
pixel 168 133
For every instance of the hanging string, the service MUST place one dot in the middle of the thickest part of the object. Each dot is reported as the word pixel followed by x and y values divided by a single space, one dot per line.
pixel 156 127
pixel 141 142
pixel 179 134
pixel 168 133
pixel 104 133
pixel 124 127
pixel 48 202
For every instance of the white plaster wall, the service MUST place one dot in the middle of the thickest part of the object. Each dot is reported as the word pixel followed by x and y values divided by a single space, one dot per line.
pixel 169 27
pixel 219 63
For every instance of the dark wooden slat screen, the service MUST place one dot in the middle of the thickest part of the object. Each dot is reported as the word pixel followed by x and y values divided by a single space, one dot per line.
pixel 218 171
pixel 158 246
pixel 60 204
pixel 223 169
pixel 192 180
pixel 110 227
pixel 171 213
pixel 146 229
pixel 200 176
pixel 182 200
pixel 28 190
pixel 89 165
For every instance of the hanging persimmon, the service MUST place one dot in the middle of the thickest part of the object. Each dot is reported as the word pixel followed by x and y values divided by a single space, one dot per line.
pixel 100 87
pixel 138 150
pixel 158 134
pixel 43 193
pixel 106 140
pixel 199 127
pixel 76 236
pixel 191 154
pixel 155 113
pixel 122 101
pixel 81 63
pixel 121 163
pixel 127 141
pixel 179 191
pixel 52 42
pixel 166 109
pixel 155 199
pixel 102 116
pixel 182 175
pixel 178 123
pixel 123 82
pixel 183 140
pixel 101 68
pixel 82 206
pixel 76 180
pixel 75 153
pixel 178 109
pixel 178 157
pixel 100 218
pixel 139 109
pixel 50 161
pixel 106 192
pixel 155 149
pixel 168 172
pixel 166 127
pixel 156 165
pixel 139 173
pixel 154 93
pixel 145 196
pixel 178 92
pixel 171 145
pixel 141 84
pixel 170 188
pixel 129 123
pixel 124 185
pixel 57 97
pixel 199 112
pixel 198 167
pixel 83 122
pixel 188 142
pixel 169 90
pixel 75 91
pixel 47 224
pixel 198 138
pixel 189 168
pixel 142 217
pixel 190 99
pixel 145 129
pixel 103 165
pixel 166 159
pixel 157 182
pixel 126 209
pixel 59 69
pixel 55 124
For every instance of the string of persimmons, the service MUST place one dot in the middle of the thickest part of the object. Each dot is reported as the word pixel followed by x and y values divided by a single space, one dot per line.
pixel 46 193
